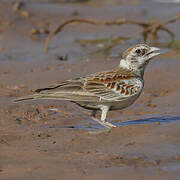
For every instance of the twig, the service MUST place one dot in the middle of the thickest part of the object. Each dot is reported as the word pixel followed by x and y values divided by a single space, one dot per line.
pixel 150 28
pixel 89 21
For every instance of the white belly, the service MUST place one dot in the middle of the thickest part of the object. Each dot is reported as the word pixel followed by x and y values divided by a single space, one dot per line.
pixel 114 105
pixel 125 103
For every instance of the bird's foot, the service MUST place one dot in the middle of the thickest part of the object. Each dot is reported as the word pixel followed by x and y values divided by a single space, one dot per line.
pixel 110 124
pixel 104 123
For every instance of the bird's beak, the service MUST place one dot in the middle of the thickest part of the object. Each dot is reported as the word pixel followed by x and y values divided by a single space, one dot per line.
pixel 153 52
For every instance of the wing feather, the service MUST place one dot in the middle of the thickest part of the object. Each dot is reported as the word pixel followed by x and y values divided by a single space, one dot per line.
pixel 115 85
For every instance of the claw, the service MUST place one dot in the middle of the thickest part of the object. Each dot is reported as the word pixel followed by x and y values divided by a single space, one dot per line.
pixel 105 124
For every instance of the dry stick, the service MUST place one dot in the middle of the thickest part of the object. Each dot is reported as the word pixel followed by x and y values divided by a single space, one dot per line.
pixel 90 21
pixel 173 19
pixel 156 26
pixel 169 32
pixel 149 28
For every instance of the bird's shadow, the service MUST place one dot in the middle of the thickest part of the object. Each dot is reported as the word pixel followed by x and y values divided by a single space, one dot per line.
pixel 151 120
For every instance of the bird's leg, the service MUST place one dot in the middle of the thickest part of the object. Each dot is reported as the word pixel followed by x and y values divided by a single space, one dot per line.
pixel 105 110
pixel 93 116
pixel 103 121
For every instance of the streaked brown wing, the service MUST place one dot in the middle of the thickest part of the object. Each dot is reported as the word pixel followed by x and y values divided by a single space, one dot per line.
pixel 105 86
pixel 113 85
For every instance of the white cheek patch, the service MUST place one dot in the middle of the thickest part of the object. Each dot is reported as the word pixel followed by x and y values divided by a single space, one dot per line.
pixel 125 64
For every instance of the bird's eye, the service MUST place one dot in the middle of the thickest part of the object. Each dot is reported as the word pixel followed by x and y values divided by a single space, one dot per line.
pixel 141 51
pixel 138 51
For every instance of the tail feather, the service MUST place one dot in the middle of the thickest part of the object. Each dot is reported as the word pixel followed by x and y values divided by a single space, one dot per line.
pixel 63 96
pixel 26 98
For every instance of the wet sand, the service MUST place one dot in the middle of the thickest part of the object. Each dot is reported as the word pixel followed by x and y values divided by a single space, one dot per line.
pixel 38 143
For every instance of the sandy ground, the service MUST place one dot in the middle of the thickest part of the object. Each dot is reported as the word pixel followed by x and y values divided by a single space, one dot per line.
pixel 37 143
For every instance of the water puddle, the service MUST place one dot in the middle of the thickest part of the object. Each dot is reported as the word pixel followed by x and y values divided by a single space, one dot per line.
pixel 171 167
pixel 151 120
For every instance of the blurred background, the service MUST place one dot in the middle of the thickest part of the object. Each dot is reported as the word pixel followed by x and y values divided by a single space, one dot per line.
pixel 51 139
pixel 26 24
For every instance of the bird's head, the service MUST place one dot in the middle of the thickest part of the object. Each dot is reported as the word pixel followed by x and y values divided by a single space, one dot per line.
pixel 137 57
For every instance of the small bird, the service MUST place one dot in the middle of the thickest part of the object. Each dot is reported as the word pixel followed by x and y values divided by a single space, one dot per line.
pixel 108 90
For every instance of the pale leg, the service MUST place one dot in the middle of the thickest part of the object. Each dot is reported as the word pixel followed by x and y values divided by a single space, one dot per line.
pixel 103 121
pixel 105 110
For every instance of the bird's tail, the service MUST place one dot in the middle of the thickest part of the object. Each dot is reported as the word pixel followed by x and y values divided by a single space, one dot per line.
pixel 26 98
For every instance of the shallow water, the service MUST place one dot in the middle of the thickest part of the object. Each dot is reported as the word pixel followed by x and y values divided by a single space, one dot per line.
pixel 151 120
pixel 44 145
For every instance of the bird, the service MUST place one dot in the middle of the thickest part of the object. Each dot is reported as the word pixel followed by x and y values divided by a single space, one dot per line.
pixel 105 91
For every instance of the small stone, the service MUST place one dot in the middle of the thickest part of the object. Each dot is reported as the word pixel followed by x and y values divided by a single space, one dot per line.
pixel 62 58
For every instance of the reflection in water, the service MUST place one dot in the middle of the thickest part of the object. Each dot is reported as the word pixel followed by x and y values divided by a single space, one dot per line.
pixel 127 123
pixel 150 121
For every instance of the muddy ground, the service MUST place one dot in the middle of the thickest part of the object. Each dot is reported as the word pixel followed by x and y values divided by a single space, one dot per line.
pixel 56 139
